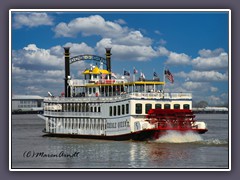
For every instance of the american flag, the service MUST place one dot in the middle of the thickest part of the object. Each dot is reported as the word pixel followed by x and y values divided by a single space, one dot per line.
pixel 142 75
pixel 155 74
pixel 126 73
pixel 135 71
pixel 113 75
pixel 169 75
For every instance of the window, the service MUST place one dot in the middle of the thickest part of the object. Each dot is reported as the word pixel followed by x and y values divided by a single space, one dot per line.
pixel 176 106
pixel 186 106
pixel 87 107
pixel 110 111
pixel 99 109
pixel 65 123
pixel 138 108
pixel 147 108
pixel 123 109
pixel 158 106
pixel 167 106
pixel 90 90
pixel 127 108
pixel 114 110
pixel 119 110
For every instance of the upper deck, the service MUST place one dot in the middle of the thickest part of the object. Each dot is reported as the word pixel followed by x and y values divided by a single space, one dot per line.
pixel 110 82
pixel 133 95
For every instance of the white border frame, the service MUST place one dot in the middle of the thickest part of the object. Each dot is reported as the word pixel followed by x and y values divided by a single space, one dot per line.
pixel 116 10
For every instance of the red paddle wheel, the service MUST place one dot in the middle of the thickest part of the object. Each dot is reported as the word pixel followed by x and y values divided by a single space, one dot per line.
pixel 181 120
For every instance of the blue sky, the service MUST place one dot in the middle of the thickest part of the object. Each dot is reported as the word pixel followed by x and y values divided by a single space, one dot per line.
pixel 194 46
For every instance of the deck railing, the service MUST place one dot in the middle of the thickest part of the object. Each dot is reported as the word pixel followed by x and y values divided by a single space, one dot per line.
pixel 134 95
pixel 72 114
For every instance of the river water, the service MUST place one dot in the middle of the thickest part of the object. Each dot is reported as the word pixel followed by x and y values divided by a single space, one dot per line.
pixel 29 150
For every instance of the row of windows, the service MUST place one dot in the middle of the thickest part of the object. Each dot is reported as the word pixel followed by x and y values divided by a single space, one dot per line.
pixel 138 107
pixel 118 125
pixel 78 107
pixel 28 102
pixel 92 90
pixel 97 124
pixel 119 110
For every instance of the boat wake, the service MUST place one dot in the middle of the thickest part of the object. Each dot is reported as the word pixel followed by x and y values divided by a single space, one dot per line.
pixel 189 137
pixel 215 142
pixel 177 137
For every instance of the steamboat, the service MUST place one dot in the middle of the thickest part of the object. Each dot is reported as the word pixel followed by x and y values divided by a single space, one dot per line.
pixel 101 106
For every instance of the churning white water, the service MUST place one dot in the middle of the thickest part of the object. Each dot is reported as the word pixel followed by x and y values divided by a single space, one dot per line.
pixel 177 137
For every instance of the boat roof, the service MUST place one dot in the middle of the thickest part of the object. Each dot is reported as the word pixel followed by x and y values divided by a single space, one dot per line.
pixel 96 70
pixel 26 97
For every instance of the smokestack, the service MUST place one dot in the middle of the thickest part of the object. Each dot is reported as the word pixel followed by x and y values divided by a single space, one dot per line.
pixel 108 58
pixel 67 71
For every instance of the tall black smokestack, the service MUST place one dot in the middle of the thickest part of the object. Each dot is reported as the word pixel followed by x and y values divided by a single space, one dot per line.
pixel 67 71
pixel 108 58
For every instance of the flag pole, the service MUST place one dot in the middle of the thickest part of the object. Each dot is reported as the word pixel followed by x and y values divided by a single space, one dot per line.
pixel 133 74
pixel 153 73
pixel 164 68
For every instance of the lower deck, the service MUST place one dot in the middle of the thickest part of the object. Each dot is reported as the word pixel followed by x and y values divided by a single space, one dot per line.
pixel 87 126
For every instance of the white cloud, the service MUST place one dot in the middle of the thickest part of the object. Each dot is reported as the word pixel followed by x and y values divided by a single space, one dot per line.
pixel 92 25
pixel 75 49
pixel 53 57
pixel 124 52
pixel 206 53
pixel 213 89
pixel 31 19
pixel 192 86
pixel 97 25
pixel 212 100
pixel 36 81
pixel 133 38
pixel 31 47
pixel 78 49
pixel 33 55
pixel 162 42
pixel 120 21
pixel 157 32
pixel 215 100
pixel 178 59
pixel 162 51
pixel 203 76
pixel 31 76
pixel 210 60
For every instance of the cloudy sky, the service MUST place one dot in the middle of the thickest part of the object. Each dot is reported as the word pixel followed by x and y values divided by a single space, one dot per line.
pixel 192 45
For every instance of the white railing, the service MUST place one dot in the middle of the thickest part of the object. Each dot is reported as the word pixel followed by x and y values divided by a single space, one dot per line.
pixel 86 99
pixel 72 114
pixel 160 95
pixel 135 95
pixel 78 82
